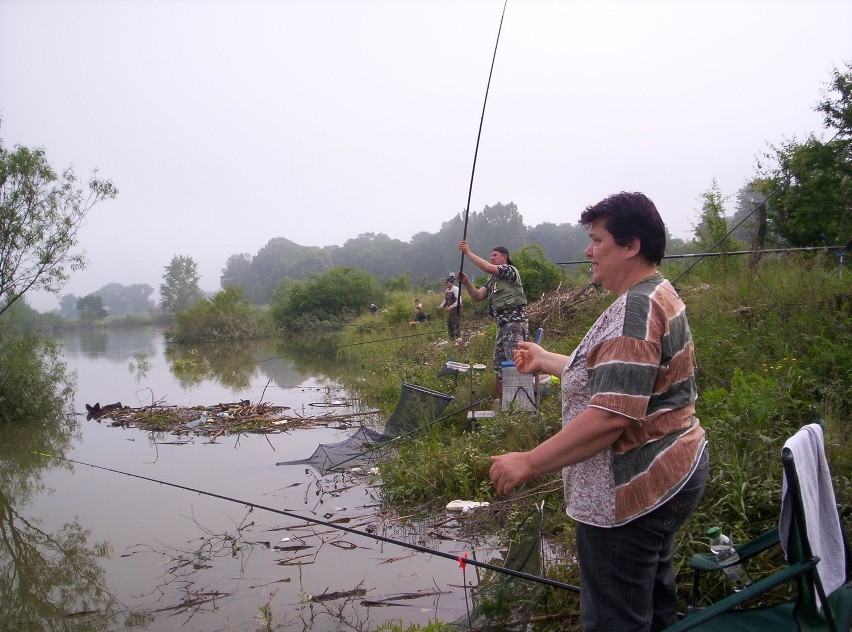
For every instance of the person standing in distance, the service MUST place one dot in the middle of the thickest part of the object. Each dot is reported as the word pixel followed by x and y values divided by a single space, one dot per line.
pixel 506 302
pixel 451 306
pixel 632 453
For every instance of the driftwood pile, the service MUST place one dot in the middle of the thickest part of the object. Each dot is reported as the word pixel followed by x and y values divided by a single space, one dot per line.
pixel 218 419
pixel 560 302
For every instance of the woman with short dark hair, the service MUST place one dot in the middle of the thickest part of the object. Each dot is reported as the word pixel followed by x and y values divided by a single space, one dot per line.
pixel 633 454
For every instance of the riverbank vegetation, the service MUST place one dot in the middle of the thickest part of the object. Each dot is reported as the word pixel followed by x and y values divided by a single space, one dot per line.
pixel 774 347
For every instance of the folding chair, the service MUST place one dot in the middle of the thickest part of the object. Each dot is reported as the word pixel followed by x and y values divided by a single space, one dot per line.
pixel 811 609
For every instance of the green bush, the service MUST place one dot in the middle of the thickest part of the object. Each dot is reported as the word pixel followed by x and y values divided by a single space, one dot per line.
pixel 327 299
pixel 34 384
pixel 227 316
pixel 538 273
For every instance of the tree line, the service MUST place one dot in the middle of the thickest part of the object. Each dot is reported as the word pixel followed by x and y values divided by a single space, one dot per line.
pixel 800 195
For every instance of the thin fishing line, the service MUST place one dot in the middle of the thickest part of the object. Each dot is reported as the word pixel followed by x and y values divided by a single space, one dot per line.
pixel 725 254
pixel 476 153
pixel 434 332
pixel 325 523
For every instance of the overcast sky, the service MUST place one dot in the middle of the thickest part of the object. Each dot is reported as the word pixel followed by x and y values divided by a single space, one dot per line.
pixel 227 123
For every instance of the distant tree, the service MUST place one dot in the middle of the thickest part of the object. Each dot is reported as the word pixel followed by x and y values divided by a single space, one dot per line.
pixel 238 272
pixel 326 299
pixel 281 258
pixel 712 229
pixel 744 220
pixel 68 307
pixel 811 182
pixel 91 307
pixel 378 254
pixel 497 225
pixel 711 233
pixel 309 261
pixel 21 319
pixel 41 212
pixel 121 300
pixel 560 242
pixel 179 289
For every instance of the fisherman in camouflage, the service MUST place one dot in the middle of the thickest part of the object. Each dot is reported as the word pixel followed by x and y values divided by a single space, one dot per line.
pixel 506 302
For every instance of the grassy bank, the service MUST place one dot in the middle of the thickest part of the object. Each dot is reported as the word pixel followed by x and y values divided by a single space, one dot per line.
pixel 774 348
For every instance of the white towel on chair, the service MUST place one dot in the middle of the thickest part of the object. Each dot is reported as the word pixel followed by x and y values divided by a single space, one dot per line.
pixel 821 517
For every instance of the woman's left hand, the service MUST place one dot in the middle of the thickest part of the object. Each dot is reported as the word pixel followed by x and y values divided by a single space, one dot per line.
pixel 509 471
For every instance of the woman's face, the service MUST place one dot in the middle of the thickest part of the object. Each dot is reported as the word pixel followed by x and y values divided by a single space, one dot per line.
pixel 610 262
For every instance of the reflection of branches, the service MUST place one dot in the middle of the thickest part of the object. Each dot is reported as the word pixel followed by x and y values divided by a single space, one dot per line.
pixel 184 566
pixel 339 606
pixel 139 366
pixel 234 364
pixel 230 364
pixel 51 581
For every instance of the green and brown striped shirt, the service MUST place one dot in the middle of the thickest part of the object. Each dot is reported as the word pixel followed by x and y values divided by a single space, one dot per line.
pixel 637 360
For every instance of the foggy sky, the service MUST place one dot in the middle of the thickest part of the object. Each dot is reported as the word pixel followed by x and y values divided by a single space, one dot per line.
pixel 227 123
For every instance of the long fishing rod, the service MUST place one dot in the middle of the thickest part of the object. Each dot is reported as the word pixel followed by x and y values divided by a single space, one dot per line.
pixel 476 153
pixel 325 523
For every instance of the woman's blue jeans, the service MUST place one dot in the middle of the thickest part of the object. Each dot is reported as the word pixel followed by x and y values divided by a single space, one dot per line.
pixel 626 576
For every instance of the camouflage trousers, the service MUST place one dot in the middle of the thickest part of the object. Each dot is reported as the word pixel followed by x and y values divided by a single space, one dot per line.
pixel 453 324
pixel 508 335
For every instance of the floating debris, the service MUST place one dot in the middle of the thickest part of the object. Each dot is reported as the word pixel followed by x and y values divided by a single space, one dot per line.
pixel 217 420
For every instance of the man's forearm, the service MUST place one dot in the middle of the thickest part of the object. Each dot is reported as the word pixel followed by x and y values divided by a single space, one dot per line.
pixel 482 264
pixel 477 294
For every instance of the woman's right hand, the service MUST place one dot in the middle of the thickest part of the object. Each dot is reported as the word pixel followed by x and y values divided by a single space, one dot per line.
pixel 528 357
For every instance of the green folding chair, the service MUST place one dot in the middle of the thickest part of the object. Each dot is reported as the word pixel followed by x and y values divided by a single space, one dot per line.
pixel 802 613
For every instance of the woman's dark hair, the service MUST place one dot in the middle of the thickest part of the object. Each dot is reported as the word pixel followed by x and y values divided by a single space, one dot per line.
pixel 627 216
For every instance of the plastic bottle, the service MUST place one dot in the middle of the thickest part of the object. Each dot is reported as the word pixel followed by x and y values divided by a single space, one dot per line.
pixel 727 557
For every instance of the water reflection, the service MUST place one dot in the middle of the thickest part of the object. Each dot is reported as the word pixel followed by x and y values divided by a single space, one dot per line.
pixel 88 549
pixel 238 365
pixel 49 579
pixel 110 343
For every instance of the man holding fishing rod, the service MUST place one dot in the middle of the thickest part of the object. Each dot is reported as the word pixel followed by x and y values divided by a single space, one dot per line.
pixel 633 454
pixel 506 301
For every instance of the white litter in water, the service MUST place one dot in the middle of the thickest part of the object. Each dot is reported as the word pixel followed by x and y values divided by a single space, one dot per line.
pixel 465 506
pixel 196 422
pixel 285 539
pixel 373 471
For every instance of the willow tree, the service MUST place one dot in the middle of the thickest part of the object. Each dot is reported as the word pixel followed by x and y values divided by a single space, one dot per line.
pixel 41 212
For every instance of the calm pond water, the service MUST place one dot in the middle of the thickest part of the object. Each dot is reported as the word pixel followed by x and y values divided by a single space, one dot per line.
pixel 96 550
